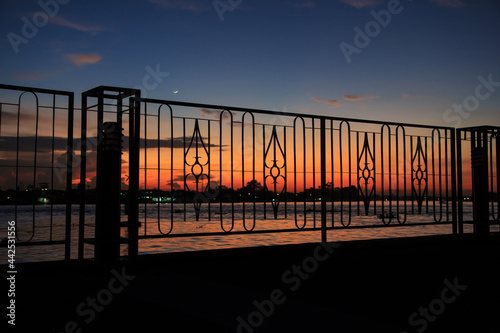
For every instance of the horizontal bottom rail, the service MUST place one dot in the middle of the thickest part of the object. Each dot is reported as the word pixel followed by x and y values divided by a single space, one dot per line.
pixel 222 233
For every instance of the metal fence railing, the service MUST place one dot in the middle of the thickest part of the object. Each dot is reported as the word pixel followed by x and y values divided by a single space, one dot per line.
pixel 197 171
pixel 244 168
pixel 36 147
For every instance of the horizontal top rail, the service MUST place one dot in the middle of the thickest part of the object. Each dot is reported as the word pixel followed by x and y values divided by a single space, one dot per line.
pixel 289 114
pixel 34 90
pixel 485 128
pixel 121 92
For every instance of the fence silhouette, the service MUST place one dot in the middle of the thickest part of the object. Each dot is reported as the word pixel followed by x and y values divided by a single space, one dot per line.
pixel 129 169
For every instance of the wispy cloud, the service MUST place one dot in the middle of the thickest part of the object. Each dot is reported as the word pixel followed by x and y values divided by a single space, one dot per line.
pixel 359 99
pixel 356 98
pixel 80 27
pixel 189 5
pixel 331 102
pixel 215 114
pixel 307 4
pixel 450 3
pixel 362 3
pixel 83 59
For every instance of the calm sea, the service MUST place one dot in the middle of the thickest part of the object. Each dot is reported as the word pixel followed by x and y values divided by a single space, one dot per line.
pixel 155 219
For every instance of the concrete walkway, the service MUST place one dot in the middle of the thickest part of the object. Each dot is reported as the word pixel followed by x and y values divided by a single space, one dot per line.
pixel 432 284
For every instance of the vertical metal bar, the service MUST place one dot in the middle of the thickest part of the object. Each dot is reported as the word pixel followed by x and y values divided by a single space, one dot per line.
pixel 341 160
pixel 480 185
pixel 254 173
pixel 158 145
pixel 349 193
pixel 433 143
pixel 295 169
pixel 389 173
pixel 358 169
pixel 398 175
pixel 426 178
pixel 171 166
pixel 17 164
pixel 83 172
pixel 232 169
pixel 69 177
pixel 35 166
pixel 264 168
pixel 404 173
pixel 285 192
pixel 243 192
pixel 323 179
pixel 375 175
pixel 209 171
pixel 332 171
pixel 491 176
pixel 133 193
pixel 446 175
pixel 411 177
pixel 497 152
pixel 454 161
pixel 52 166
pixel 184 165
pixel 304 152
pixel 313 134
pixel 382 170
pixel 145 165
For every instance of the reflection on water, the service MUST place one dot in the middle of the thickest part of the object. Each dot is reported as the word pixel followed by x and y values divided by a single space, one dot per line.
pixel 156 219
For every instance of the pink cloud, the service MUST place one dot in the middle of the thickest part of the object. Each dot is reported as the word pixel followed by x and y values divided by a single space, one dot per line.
pixel 355 98
pixel 359 99
pixel 83 59
pixel 65 23
pixel 332 102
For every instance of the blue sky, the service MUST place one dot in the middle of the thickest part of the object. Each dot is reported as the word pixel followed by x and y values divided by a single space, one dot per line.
pixel 284 55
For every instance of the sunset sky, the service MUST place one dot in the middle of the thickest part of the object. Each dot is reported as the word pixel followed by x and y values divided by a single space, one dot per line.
pixel 407 61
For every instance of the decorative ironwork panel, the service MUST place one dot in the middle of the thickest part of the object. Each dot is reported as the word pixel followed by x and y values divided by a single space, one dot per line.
pixel 419 175
pixel 275 163
pixel 366 174
pixel 201 159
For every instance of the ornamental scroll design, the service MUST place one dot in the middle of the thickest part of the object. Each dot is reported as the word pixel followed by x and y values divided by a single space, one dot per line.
pixel 201 160
pixel 275 163
pixel 366 174
pixel 419 175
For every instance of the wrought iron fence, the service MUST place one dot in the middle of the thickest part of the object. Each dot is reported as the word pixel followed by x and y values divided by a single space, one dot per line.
pixel 244 168
pixel 195 170
pixel 36 138
pixel 477 148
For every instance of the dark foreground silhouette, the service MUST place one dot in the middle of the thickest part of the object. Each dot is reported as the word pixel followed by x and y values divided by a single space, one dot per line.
pixel 432 284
